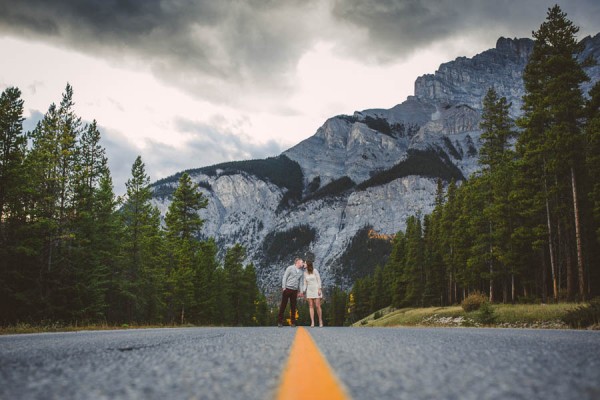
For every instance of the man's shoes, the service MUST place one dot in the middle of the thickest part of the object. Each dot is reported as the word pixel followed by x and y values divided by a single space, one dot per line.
pixel 279 325
pixel 293 325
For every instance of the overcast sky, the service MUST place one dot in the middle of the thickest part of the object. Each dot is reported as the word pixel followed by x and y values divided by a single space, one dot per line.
pixel 190 83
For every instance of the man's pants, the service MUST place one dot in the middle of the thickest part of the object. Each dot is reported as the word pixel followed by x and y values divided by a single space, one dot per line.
pixel 292 295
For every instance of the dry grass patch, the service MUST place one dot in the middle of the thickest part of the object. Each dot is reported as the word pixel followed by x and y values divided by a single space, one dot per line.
pixel 506 315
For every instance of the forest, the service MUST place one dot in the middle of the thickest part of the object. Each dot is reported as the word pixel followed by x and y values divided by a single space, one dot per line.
pixel 72 252
pixel 526 227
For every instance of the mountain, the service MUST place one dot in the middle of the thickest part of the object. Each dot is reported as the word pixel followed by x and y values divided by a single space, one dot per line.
pixel 346 190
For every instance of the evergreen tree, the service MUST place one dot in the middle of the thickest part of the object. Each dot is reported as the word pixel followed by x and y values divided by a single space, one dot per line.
pixel 396 264
pixel 89 231
pixel 207 305
pixel 592 131
pixel 183 225
pixel 142 273
pixel 12 154
pixel 236 287
pixel 50 208
pixel 337 307
pixel 497 160
pixel 551 139
pixel 433 292
pixel 413 272
pixel 378 298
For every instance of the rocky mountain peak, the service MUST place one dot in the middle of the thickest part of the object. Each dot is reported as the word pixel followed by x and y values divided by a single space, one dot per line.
pixel 466 80
pixel 360 173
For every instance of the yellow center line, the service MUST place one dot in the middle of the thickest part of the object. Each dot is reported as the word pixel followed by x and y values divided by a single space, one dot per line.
pixel 307 374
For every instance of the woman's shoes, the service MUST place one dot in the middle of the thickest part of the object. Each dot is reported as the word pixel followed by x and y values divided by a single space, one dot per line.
pixel 312 325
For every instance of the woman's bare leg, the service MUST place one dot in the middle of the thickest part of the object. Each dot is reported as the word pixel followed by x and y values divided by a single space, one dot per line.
pixel 319 312
pixel 311 311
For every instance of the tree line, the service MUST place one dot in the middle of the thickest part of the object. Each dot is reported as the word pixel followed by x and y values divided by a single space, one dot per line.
pixel 527 226
pixel 73 252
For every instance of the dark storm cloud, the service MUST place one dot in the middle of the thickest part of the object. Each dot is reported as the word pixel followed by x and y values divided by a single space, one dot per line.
pixel 239 51
pixel 396 27
pixel 212 48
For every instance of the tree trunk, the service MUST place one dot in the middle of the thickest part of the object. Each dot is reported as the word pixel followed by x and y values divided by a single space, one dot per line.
pixel 491 268
pixel 544 278
pixel 512 288
pixel 578 237
pixel 550 246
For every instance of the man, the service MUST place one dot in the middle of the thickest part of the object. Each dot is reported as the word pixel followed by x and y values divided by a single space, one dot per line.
pixel 290 285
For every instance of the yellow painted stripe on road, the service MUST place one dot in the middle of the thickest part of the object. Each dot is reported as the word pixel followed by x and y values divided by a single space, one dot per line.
pixel 307 374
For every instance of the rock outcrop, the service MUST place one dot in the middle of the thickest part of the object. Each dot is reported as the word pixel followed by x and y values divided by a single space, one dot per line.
pixel 370 170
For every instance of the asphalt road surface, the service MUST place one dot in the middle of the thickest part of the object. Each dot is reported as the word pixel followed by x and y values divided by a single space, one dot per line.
pixel 247 363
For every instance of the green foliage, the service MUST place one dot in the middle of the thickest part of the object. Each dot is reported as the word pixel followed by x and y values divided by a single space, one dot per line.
pixel 363 254
pixel 486 314
pixel 453 151
pixel 377 315
pixel 296 240
pixel 584 315
pixel 280 171
pixel 424 163
pixel 182 219
pixel 333 188
pixel 473 301
pixel 72 253
pixel 314 184
pixel 335 307
pixel 394 130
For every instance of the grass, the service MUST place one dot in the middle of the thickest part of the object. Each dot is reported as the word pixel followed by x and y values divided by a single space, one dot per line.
pixel 507 315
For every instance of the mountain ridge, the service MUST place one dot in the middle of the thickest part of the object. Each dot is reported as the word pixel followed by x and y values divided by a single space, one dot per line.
pixel 316 195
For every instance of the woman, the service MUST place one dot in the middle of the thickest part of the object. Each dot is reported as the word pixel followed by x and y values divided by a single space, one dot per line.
pixel 312 287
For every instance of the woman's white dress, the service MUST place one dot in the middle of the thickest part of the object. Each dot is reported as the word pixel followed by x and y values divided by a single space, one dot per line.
pixel 312 284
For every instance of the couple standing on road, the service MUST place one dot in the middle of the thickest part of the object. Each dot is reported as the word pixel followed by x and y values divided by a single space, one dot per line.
pixel 301 280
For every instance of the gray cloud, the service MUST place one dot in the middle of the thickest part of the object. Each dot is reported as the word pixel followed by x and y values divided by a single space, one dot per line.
pixel 398 27
pixel 121 154
pixel 216 143
pixel 206 145
pixel 214 49
pixel 236 52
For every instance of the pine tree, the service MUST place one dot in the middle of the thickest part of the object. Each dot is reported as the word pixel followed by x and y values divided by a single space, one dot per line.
pixel 497 160
pixel 183 225
pixel 89 231
pixel 551 139
pixel 396 264
pixel 50 208
pixel 592 131
pixel 236 287
pixel 142 274
pixel 413 272
pixel 206 284
pixel 12 154
pixel 182 219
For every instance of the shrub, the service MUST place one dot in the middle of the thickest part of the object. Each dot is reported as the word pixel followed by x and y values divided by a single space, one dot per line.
pixel 377 315
pixel 473 301
pixel 584 315
pixel 486 314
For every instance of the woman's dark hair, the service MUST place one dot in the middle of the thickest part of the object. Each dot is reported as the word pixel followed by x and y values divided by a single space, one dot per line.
pixel 309 267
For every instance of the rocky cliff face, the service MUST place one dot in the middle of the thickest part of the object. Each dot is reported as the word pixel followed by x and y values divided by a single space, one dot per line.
pixel 369 170
pixel 466 80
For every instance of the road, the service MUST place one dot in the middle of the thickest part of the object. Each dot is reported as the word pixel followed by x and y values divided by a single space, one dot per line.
pixel 247 363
